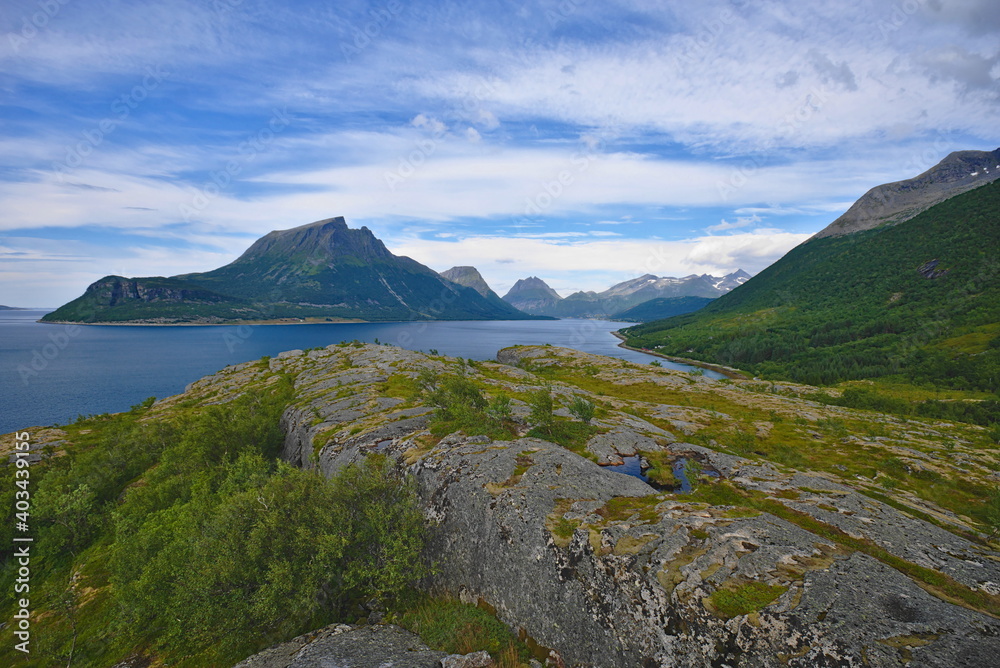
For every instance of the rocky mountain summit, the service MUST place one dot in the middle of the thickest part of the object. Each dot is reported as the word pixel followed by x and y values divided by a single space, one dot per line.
pixel 533 295
pixel 789 533
pixel 470 278
pixel 900 201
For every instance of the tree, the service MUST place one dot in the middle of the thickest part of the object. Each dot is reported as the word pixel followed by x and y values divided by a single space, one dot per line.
pixel 582 409
pixel 540 402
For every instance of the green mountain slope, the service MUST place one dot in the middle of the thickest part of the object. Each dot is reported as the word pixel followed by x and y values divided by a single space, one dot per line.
pixel 918 300
pixel 321 270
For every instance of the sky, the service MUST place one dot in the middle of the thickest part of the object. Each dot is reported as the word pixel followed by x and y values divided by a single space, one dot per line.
pixel 586 142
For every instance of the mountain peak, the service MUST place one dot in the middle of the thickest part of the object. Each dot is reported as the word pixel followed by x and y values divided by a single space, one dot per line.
pixel 900 201
pixel 323 240
pixel 470 278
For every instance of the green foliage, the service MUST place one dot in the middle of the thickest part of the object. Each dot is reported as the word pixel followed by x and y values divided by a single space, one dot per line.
pixel 570 435
pixel 855 307
pixel 199 546
pixel 461 405
pixel 541 405
pixel 977 412
pixel 459 628
pixel 745 598
pixel 582 409
pixel 991 514
pixel 660 468
pixel 656 363
pixel 499 409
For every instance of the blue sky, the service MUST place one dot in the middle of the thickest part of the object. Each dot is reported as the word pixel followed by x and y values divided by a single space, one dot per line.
pixel 584 142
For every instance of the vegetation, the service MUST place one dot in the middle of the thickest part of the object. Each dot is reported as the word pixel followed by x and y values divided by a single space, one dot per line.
pixel 743 599
pixel 461 405
pixel 181 536
pixel 855 307
pixel 459 628
pixel 541 406
pixel 582 409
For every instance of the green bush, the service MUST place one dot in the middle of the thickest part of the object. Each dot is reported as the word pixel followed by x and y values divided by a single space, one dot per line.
pixel 582 409
pixel 541 405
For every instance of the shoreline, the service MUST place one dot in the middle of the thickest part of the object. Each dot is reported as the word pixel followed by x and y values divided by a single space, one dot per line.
pixel 728 372
pixel 279 321
pixel 234 323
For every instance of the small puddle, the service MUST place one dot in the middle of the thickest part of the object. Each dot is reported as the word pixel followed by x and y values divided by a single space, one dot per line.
pixel 633 466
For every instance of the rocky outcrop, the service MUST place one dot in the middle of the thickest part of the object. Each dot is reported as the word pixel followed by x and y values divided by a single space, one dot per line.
pixel 351 647
pixel 764 566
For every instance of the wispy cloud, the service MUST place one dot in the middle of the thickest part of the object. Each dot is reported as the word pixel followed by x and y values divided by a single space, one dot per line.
pixel 514 133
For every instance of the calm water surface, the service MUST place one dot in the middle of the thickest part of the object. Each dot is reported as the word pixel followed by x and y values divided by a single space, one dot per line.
pixel 52 373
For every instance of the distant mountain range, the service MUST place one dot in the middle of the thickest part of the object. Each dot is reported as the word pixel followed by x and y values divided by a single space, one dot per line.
pixel 533 295
pixel 906 290
pixel 321 271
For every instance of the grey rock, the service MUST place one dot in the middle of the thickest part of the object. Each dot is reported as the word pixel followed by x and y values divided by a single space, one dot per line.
pixel 475 660
pixel 342 646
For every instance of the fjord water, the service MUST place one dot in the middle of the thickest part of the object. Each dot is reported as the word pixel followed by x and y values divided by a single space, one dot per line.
pixel 53 373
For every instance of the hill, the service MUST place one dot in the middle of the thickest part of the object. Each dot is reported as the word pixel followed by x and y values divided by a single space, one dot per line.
pixel 674 520
pixel 664 307
pixel 917 300
pixel 320 271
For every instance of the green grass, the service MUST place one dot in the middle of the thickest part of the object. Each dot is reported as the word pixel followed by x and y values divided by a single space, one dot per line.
pixel 570 435
pixel 460 628
pixel 934 582
pixel 744 598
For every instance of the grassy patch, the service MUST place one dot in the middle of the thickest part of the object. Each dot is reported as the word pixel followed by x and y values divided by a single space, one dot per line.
pixel 743 599
pixel 621 508
pixel 934 582
pixel 570 435
pixel 660 468
pixel 460 628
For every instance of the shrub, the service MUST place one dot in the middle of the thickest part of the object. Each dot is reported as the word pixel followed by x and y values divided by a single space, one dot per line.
pixel 582 409
pixel 540 402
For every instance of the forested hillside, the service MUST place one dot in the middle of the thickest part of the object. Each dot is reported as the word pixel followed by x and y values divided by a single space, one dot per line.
pixel 918 301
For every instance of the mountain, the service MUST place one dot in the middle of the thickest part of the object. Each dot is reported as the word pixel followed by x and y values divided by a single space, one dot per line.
pixel 662 307
pixel 10 308
pixel 470 278
pixel 897 202
pixel 532 295
pixel 324 270
pixel 917 300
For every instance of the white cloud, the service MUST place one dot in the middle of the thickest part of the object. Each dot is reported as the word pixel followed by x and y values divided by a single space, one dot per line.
pixel 724 225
